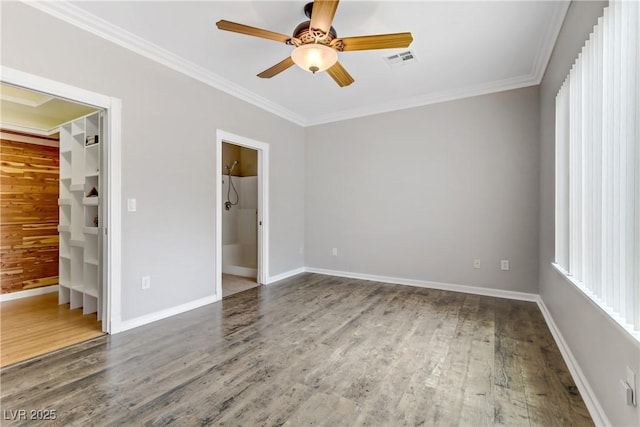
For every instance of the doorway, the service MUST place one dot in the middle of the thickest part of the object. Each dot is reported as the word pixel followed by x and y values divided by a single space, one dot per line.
pixel 51 291
pixel 239 218
pixel 110 258
pixel 241 214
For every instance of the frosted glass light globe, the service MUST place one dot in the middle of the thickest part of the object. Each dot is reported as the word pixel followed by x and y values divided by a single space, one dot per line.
pixel 314 57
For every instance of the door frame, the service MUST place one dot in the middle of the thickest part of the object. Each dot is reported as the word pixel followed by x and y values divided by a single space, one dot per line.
pixel 112 241
pixel 263 205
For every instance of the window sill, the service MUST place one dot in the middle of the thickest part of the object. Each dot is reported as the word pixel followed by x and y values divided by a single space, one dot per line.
pixel 609 314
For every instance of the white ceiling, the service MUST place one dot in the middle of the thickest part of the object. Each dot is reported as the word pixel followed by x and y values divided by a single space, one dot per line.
pixel 463 49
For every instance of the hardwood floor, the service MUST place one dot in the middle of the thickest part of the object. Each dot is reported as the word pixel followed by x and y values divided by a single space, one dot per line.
pixel 313 350
pixel 37 325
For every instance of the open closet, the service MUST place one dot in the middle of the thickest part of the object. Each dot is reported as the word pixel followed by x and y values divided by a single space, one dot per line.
pixel 51 281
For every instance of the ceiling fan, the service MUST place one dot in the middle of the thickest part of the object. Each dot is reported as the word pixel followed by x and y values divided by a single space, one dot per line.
pixel 317 44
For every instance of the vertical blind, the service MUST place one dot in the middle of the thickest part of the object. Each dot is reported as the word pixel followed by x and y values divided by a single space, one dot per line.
pixel 598 166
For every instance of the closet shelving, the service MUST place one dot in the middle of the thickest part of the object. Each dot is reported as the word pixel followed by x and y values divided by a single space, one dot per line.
pixel 80 282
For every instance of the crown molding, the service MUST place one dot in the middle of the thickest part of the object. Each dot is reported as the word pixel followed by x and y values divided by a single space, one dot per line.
pixel 80 18
pixel 548 40
pixel 15 136
pixel 539 66
pixel 429 99
pixel 91 23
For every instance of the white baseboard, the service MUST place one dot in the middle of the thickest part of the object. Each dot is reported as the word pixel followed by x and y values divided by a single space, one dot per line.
pixel 285 275
pixel 240 271
pixel 28 293
pixel 589 397
pixel 124 325
pixel 490 292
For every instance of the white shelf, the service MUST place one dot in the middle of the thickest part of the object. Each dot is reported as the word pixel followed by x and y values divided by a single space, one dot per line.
pixel 75 286
pixel 72 286
pixel 77 243
pixel 91 262
pixel 80 242
pixel 77 127
pixel 90 230
pixel 90 304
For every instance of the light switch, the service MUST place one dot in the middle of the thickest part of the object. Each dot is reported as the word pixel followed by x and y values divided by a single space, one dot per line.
pixel 131 205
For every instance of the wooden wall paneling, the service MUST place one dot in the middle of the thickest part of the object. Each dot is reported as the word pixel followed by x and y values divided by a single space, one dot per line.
pixel 29 186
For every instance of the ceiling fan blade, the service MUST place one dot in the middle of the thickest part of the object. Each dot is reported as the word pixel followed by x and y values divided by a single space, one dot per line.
pixel 251 31
pixel 340 75
pixel 276 69
pixel 379 41
pixel 322 14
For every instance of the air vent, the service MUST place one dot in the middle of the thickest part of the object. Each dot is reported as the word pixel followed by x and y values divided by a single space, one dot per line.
pixel 400 59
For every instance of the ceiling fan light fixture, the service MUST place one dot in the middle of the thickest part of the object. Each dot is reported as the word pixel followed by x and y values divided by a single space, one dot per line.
pixel 314 57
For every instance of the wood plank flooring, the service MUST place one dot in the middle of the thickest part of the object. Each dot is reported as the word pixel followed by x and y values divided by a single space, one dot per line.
pixel 312 350
pixel 37 325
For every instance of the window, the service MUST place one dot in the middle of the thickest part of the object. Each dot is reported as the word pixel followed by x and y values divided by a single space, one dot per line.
pixel 598 167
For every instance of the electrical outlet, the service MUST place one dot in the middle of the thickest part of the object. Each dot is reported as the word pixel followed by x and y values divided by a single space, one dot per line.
pixel 146 282
pixel 476 263
pixel 504 264
pixel 334 251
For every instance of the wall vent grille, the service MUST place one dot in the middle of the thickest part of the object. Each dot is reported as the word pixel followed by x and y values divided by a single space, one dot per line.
pixel 400 59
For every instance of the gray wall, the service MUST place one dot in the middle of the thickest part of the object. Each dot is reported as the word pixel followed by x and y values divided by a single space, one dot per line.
pixel 601 349
pixel 168 157
pixel 419 193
